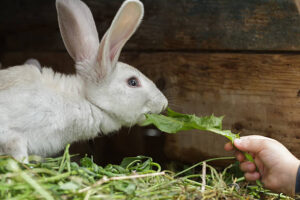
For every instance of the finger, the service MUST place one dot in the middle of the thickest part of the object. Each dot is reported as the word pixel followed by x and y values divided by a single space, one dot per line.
pixel 253 143
pixel 228 146
pixel 259 165
pixel 247 166
pixel 252 176
pixel 239 156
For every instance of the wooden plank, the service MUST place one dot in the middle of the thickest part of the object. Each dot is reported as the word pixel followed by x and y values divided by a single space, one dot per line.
pixel 257 93
pixel 60 61
pixel 168 25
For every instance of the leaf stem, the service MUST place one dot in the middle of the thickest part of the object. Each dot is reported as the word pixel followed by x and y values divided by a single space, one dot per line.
pixel 200 163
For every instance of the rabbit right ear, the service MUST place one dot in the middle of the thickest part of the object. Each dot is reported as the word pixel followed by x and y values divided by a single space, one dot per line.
pixel 125 23
pixel 78 29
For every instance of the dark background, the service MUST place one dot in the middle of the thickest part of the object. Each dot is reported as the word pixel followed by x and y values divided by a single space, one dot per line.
pixel 238 58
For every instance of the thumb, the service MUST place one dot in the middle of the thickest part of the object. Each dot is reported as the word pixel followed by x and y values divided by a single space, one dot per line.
pixel 253 143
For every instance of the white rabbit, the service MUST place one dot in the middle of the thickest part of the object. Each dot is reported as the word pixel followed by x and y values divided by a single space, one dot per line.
pixel 41 111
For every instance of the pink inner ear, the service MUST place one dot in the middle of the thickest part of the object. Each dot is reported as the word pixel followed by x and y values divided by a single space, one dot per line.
pixel 113 50
pixel 117 44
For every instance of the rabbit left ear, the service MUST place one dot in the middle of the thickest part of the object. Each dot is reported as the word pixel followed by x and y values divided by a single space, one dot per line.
pixel 78 29
pixel 123 26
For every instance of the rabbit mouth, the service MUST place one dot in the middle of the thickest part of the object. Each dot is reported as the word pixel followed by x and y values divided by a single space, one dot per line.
pixel 142 118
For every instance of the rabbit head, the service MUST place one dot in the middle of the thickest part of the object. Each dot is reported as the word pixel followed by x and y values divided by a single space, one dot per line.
pixel 119 90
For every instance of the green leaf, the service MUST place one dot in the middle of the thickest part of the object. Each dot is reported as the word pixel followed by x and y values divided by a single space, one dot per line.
pixel 200 122
pixel 174 122
pixel 126 187
pixel 128 161
pixel 69 186
pixel 86 162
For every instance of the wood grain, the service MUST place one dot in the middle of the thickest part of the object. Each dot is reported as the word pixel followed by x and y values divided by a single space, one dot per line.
pixel 266 25
pixel 60 61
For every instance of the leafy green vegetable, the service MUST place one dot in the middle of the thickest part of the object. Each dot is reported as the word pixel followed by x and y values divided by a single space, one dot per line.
pixel 174 122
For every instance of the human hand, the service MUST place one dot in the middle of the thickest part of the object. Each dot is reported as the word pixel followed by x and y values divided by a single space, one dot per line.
pixel 277 167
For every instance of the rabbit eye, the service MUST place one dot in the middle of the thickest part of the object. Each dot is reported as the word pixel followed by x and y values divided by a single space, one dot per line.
pixel 133 82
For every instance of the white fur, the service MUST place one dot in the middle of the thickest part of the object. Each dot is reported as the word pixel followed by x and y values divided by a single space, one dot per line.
pixel 41 111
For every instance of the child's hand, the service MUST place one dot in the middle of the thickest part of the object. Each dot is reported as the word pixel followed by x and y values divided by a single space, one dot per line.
pixel 277 167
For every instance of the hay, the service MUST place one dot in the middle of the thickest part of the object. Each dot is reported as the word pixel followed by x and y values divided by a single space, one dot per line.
pixel 135 178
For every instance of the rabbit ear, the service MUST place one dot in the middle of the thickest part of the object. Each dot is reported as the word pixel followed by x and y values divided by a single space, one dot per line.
pixel 78 29
pixel 123 26
pixel 35 62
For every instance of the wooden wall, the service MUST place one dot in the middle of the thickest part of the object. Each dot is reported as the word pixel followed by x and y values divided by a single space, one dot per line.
pixel 238 58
